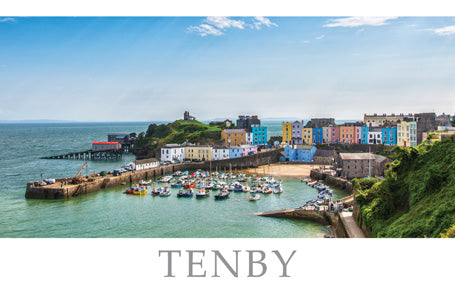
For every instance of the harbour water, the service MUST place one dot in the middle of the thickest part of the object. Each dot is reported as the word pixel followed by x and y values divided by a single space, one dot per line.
pixel 109 213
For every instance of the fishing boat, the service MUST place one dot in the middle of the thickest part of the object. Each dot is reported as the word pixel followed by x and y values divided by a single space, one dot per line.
pixel 140 191
pixel 189 185
pixel 131 190
pixel 238 187
pixel 278 190
pixel 156 191
pixel 166 192
pixel 145 183
pixel 254 197
pixel 246 189
pixel 185 194
pixel 177 185
pixel 224 194
pixel 202 194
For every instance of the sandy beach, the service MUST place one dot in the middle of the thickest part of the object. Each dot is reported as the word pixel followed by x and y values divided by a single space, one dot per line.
pixel 284 170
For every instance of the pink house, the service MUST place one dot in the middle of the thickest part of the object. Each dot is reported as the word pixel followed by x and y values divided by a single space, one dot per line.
pixel 248 149
pixel 335 131
pixel 358 134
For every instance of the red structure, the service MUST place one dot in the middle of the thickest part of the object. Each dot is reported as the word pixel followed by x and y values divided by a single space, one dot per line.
pixel 105 146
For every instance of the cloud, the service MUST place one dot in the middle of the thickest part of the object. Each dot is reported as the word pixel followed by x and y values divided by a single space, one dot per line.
pixel 7 19
pixel 204 30
pixel 443 31
pixel 359 21
pixel 217 25
pixel 222 22
pixel 259 21
pixel 320 37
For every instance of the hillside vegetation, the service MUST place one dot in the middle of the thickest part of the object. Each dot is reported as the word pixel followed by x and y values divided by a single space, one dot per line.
pixel 149 143
pixel 417 197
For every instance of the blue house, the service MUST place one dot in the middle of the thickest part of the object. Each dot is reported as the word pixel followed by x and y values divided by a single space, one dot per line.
pixel 389 135
pixel 299 153
pixel 259 135
pixel 364 134
pixel 317 135
pixel 235 152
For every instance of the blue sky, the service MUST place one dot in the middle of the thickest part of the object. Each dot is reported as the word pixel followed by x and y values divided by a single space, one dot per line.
pixel 154 68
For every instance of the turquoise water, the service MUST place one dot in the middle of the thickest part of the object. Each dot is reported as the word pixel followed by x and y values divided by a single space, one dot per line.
pixel 109 213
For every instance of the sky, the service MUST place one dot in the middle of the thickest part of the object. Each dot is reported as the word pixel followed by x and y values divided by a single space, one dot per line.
pixel 155 68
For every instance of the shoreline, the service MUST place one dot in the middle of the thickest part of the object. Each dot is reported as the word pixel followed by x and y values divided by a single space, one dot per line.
pixel 284 170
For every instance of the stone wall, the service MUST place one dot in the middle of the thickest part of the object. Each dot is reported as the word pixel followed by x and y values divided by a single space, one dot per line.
pixel 352 148
pixel 332 181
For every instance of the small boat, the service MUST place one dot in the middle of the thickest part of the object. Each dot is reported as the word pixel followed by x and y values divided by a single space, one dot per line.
pixel 254 197
pixel 145 183
pixel 131 190
pixel 202 194
pixel 165 193
pixel 238 188
pixel 185 194
pixel 189 185
pixel 156 191
pixel 177 185
pixel 140 191
pixel 278 190
pixel 224 194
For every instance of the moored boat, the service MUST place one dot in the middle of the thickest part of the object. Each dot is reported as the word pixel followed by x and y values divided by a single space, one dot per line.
pixel 202 194
pixel 224 194
pixel 255 197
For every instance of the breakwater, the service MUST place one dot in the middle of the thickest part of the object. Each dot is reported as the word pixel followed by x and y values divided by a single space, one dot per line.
pixel 92 183
pixel 332 181
pixel 331 218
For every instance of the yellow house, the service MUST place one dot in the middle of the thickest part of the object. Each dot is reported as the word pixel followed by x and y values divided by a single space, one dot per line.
pixel 199 153
pixel 287 132
pixel 307 135
pixel 234 137
pixel 407 133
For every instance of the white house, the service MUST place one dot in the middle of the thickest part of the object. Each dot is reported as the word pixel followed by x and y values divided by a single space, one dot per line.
pixel 145 164
pixel 249 138
pixel 172 152
pixel 375 136
pixel 220 152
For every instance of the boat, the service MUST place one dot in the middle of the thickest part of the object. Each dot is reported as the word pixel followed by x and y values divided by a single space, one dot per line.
pixel 145 183
pixel 278 190
pixel 185 194
pixel 189 185
pixel 202 194
pixel 166 192
pixel 131 190
pixel 238 187
pixel 156 191
pixel 224 194
pixel 140 191
pixel 254 197
pixel 177 185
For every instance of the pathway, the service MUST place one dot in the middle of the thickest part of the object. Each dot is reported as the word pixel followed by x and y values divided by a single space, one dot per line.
pixel 351 226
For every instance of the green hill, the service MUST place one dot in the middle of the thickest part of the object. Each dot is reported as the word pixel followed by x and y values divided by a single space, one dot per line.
pixel 150 142
pixel 417 197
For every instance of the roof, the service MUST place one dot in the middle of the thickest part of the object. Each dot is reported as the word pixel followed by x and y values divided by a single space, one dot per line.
pixel 146 161
pixel 302 147
pixel 105 143
pixel 356 156
pixel 380 158
pixel 324 153
pixel 218 147
pixel 235 130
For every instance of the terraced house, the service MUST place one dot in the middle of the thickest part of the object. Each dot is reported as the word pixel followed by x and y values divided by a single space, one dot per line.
pixel 198 153
pixel 234 137
pixel 287 132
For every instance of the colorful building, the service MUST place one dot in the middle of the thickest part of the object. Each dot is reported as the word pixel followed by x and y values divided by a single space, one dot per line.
pixel 106 146
pixel 199 153
pixel 358 134
pixel 287 132
pixel 307 135
pixel 317 135
pixel 327 134
pixel 248 149
pixel 234 137
pixel 235 152
pixel 389 135
pixel 364 134
pixel 407 133
pixel 299 153
pixel 259 135
pixel 375 135
pixel 296 136
pixel 383 119
pixel 347 134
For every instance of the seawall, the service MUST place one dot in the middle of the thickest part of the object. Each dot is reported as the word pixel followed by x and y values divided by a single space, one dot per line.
pixel 332 181
pixel 92 183
pixel 323 217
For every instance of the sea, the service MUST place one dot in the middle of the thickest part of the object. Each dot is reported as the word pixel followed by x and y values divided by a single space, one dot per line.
pixel 109 213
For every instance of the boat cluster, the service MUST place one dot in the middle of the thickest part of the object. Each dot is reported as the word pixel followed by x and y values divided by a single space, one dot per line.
pixel 324 194
pixel 200 183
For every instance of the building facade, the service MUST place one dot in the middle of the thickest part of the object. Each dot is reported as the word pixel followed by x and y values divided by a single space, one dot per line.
pixel 407 133
pixel 246 121
pixel 325 157
pixel 357 165
pixel 234 137
pixel 235 152
pixel 248 149
pixel 259 135
pixel 375 135
pixel 364 134
pixel 389 135
pixel 296 135
pixel 327 134
pixel 105 146
pixel 220 152
pixel 145 164
pixel 172 152
pixel 347 134
pixel 198 153
pixel 299 153
pixel 287 132
pixel 383 119
pixel 317 134
pixel 307 135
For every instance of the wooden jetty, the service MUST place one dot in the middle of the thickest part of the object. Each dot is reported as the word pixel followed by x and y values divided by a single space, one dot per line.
pixel 90 155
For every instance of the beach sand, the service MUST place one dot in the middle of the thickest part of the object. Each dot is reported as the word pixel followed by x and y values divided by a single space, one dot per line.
pixel 296 171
